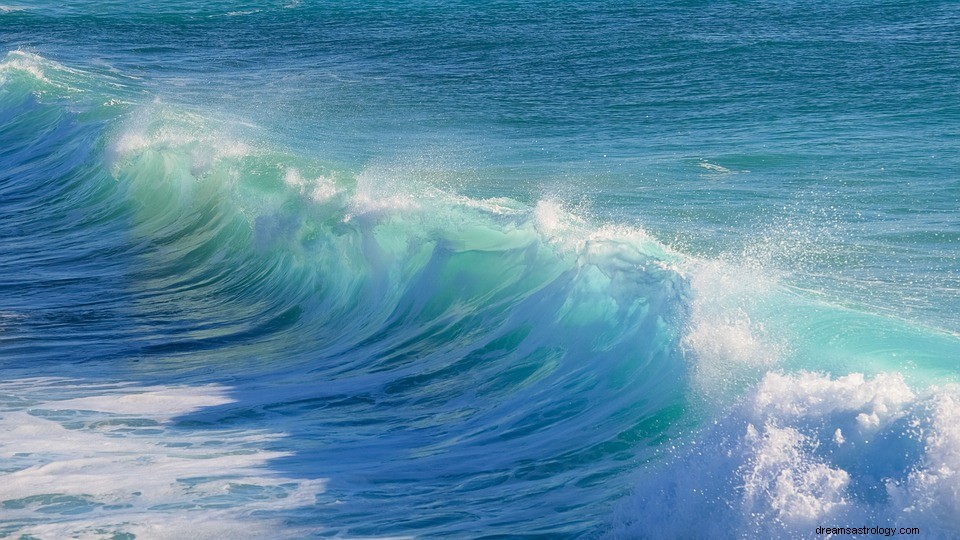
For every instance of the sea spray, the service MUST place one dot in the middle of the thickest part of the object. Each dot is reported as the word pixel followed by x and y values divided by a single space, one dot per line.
pixel 435 270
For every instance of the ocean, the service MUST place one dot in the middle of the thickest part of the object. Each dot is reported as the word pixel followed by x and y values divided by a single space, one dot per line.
pixel 495 269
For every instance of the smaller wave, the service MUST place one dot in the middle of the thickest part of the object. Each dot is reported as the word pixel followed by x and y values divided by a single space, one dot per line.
pixel 718 169
pixel 43 77
pixel 807 450
pixel 24 62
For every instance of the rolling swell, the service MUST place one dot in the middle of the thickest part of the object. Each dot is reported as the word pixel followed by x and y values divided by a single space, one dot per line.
pixel 475 359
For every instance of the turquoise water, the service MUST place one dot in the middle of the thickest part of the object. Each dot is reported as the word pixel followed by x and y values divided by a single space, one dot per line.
pixel 443 269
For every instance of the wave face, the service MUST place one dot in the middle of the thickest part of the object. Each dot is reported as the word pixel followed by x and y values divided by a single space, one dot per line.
pixel 300 270
pixel 468 357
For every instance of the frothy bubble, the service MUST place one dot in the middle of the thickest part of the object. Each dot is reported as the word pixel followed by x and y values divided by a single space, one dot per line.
pixel 112 460
pixel 805 450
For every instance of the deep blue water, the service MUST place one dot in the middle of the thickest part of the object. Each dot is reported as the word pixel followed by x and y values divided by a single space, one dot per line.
pixel 478 269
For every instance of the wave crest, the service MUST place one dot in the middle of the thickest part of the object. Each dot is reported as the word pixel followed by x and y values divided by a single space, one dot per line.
pixel 808 450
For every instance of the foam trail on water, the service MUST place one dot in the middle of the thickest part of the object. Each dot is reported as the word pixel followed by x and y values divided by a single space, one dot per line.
pixel 112 461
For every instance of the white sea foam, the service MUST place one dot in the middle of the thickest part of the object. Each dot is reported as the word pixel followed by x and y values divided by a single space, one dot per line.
pixel 108 460
pixel 727 343
pixel 152 401
pixel 496 205
pixel 25 62
pixel 8 317
pixel 52 75
pixel 139 138
pixel 719 169
pixel 195 138
pixel 571 233
pixel 320 189
pixel 382 190
pixel 808 450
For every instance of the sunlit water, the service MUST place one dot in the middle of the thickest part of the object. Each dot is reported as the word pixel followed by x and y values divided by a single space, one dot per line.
pixel 301 269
